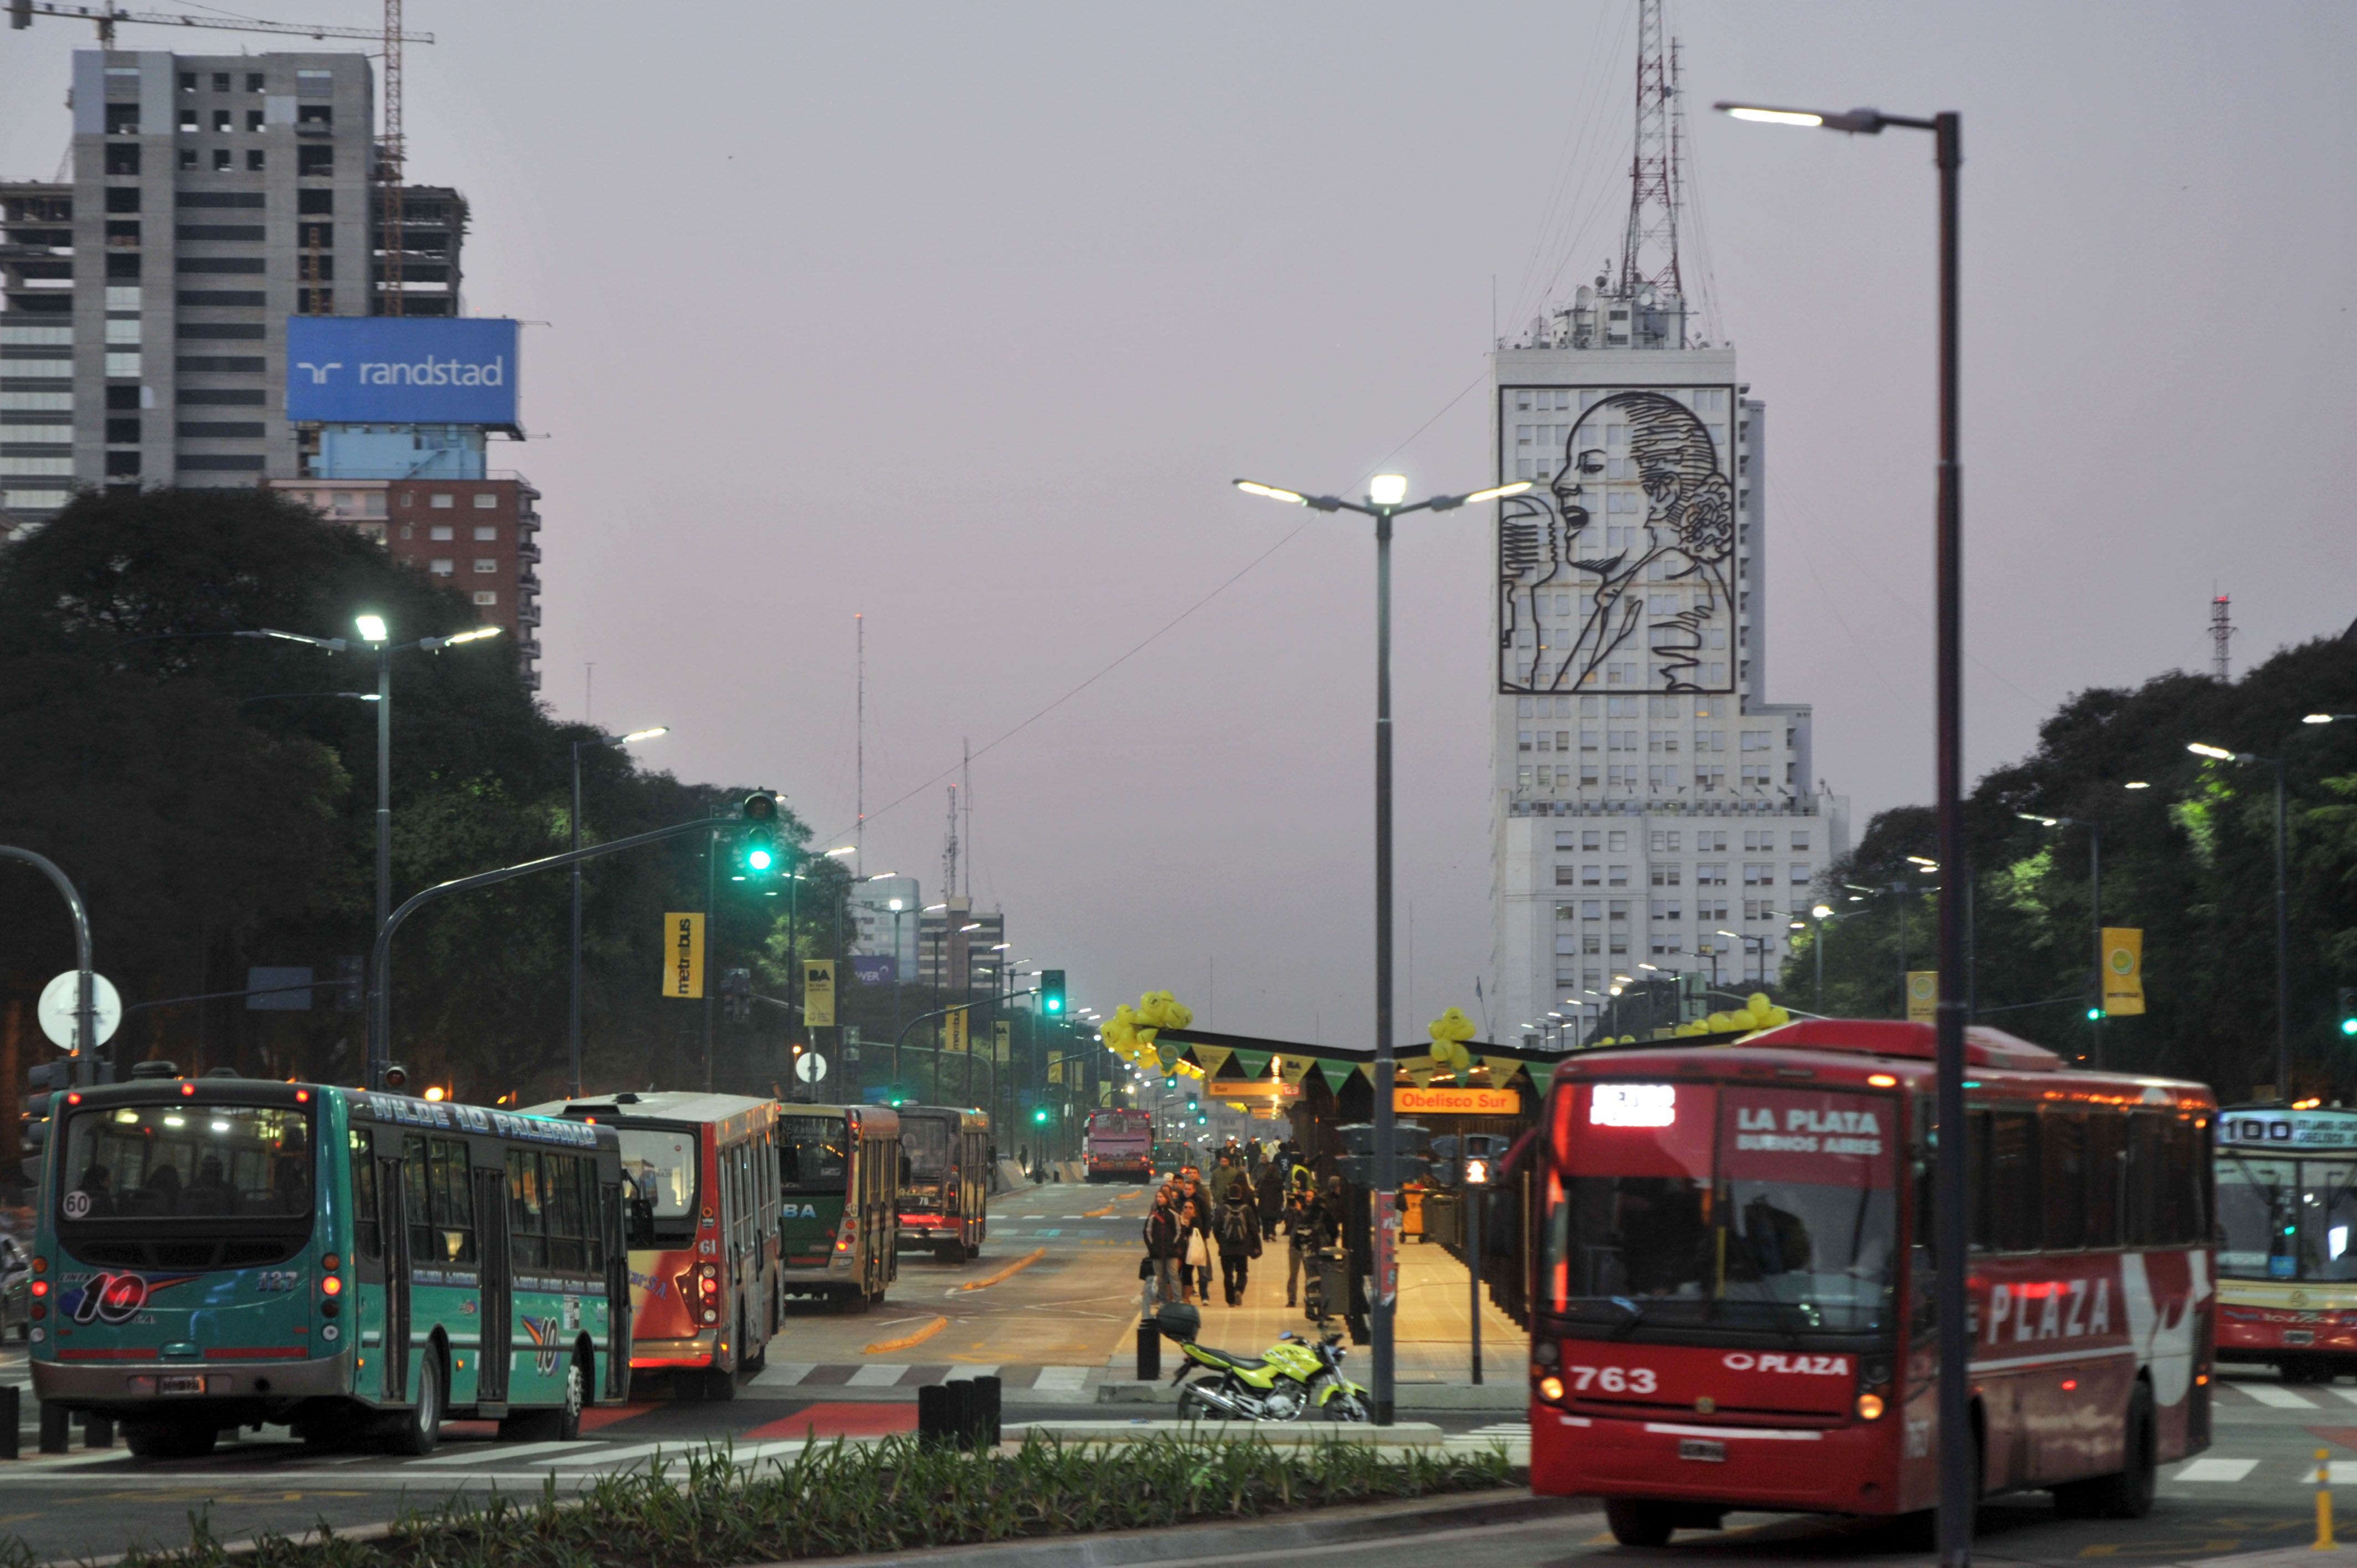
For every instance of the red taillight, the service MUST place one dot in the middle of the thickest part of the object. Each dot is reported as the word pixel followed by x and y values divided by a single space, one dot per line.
pixel 302 1097
pixel 41 1288
pixel 73 1099
pixel 188 1092
pixel 331 1286
pixel 331 1262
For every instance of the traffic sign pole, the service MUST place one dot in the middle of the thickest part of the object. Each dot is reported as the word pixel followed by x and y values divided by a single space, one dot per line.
pixel 85 999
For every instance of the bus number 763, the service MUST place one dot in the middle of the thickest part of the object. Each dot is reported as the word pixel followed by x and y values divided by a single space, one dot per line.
pixel 1613 1379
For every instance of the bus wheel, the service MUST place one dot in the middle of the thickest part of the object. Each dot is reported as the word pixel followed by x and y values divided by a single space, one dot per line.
pixel 1636 1522
pixel 2128 1494
pixel 417 1428
pixel 168 1439
pixel 560 1423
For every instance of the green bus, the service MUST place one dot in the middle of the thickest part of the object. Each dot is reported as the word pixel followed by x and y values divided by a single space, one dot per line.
pixel 211 1252
pixel 838 1181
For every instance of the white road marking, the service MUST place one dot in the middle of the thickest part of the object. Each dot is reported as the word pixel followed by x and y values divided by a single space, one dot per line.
pixel 2216 1470
pixel 783 1374
pixel 1063 1379
pixel 2347 1395
pixel 491 1453
pixel 876 1377
pixel 967 1374
pixel 2280 1399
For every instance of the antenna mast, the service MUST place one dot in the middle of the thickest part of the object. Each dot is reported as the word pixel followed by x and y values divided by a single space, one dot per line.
pixel 859 748
pixel 2221 632
pixel 965 788
pixel 950 853
pixel 1653 195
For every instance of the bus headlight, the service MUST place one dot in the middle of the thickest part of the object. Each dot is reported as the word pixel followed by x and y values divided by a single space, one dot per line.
pixel 1869 1407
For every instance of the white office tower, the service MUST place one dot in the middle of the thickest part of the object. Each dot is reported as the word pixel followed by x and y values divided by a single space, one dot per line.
pixel 1654 813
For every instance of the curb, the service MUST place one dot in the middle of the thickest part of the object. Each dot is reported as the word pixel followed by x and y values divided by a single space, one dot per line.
pixel 1507 1398
pixel 1282 1532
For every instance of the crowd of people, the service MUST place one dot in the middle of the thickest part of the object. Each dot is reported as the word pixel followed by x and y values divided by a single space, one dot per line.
pixel 1249 1201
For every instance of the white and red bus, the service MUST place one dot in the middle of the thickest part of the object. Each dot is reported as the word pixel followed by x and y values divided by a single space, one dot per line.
pixel 1119 1145
pixel 1732 1306
pixel 2287 1238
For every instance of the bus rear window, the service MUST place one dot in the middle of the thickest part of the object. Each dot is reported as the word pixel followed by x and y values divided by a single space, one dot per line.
pixel 814 1154
pixel 182 1161
pixel 660 1168
pixel 925 1141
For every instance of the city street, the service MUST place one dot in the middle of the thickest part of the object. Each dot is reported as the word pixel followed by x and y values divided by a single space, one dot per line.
pixel 1055 1331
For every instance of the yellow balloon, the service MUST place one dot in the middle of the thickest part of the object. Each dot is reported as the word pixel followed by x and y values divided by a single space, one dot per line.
pixel 1758 1003
pixel 1720 1022
pixel 1778 1017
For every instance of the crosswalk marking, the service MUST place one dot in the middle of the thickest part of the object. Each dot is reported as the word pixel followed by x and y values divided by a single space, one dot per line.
pixel 2217 1470
pixel 1064 1379
pixel 967 1374
pixel 2280 1399
pixel 491 1453
pixel 2347 1396
pixel 876 1377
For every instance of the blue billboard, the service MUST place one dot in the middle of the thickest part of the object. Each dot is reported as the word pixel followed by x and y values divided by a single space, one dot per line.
pixel 401 369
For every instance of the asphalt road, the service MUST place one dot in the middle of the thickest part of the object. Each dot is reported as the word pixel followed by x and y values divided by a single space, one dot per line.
pixel 1049 1331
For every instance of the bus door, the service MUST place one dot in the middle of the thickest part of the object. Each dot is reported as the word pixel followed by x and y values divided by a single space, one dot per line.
pixel 496 1354
pixel 393 1223
pixel 618 1290
pixel 370 1297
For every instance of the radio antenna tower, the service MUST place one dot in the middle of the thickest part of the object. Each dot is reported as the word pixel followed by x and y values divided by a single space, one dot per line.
pixel 950 852
pixel 1649 253
pixel 2221 632
pixel 859 744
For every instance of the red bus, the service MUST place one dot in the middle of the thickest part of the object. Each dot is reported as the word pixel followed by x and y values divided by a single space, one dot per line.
pixel 1734 1308
pixel 700 1192
pixel 1119 1144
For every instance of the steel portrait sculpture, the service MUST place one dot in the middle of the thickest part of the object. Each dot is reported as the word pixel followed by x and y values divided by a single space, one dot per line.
pixel 1620 576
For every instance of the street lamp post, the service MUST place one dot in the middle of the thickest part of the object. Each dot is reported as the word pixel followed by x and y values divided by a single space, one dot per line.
pixel 2283 917
pixel 1820 914
pixel 1386 499
pixel 374 632
pixel 573 1033
pixel 1956 1520
pixel 2095 920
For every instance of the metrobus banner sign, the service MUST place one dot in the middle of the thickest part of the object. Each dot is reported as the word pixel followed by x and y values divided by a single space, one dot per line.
pixel 1457 1102
pixel 683 955
pixel 1254 1091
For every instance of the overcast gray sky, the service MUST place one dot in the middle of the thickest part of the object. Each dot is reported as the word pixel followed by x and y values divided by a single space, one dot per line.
pixel 963 317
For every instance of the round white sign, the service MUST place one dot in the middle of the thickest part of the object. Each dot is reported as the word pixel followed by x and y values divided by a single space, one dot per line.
pixel 58 998
pixel 810 1067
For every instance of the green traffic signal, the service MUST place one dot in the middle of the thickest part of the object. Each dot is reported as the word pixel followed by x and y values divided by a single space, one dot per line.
pixel 1038 1113
pixel 757 853
pixel 1051 990
pixel 2094 1014
pixel 2349 1011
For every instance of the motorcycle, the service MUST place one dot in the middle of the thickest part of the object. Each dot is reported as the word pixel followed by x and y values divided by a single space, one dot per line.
pixel 1292 1378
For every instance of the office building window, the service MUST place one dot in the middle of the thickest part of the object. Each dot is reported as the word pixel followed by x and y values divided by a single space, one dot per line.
pixel 441 565
pixel 482 532
pixel 485 500
pixel 441 530
pixel 442 500
pixel 487 596
pixel 484 565
pixel 253 160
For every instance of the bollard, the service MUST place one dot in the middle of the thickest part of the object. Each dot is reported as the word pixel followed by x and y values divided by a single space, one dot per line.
pixel 1149 1350
pixel 2324 1541
pixel 986 1393
pixel 10 1444
pixel 57 1435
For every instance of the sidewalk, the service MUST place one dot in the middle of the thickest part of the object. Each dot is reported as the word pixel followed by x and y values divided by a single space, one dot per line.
pixel 1432 1360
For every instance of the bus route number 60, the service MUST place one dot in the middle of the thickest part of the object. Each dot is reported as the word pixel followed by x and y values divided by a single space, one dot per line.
pixel 1612 1379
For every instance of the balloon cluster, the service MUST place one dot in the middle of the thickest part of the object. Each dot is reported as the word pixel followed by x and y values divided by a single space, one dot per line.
pixel 1757 1012
pixel 1129 1033
pixel 1449 1032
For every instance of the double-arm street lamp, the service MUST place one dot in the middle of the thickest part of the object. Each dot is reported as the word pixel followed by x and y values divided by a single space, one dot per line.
pixel 2095 904
pixel 1955 1526
pixel 2283 917
pixel 573 1033
pixel 1386 499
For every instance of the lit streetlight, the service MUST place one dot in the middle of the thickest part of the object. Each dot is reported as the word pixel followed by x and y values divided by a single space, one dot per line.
pixel 2283 915
pixel 573 1032
pixel 1386 499
pixel 2096 907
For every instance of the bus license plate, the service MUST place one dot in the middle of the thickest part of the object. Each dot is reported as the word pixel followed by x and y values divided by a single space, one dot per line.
pixel 191 1384
pixel 1702 1448
pixel 2299 1337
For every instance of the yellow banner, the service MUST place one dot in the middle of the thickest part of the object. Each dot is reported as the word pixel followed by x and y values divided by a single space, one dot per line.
pixel 1055 1066
pixel 1002 1041
pixel 1923 995
pixel 1457 1102
pixel 2122 970
pixel 953 1030
pixel 818 992
pixel 683 956
pixel 1252 1091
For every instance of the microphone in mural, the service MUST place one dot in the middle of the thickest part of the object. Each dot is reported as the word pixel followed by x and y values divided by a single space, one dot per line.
pixel 1641 498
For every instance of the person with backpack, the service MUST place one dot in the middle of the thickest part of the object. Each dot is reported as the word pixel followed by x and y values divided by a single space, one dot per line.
pixel 1302 1221
pixel 1163 1245
pixel 1270 1200
pixel 1239 1231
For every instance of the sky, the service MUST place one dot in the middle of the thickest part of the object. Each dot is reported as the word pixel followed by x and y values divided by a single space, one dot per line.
pixel 960 318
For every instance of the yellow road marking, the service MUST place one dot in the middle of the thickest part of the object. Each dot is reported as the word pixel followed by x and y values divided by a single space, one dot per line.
pixel 918 1337
pixel 1017 1267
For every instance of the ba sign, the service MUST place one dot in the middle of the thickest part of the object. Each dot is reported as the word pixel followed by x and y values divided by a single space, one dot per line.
pixel 401 369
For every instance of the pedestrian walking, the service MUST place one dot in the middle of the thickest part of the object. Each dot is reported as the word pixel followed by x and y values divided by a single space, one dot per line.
pixel 1238 1232
pixel 1163 1246
pixel 1195 1256
pixel 1270 1200
pixel 1301 1228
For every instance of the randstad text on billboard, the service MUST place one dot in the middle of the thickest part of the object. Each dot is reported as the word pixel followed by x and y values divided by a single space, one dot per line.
pixel 401 369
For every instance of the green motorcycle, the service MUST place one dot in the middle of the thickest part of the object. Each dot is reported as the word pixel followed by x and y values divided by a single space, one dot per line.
pixel 1292 1380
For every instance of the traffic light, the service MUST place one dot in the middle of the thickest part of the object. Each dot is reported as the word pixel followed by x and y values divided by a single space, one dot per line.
pixel 757 852
pixel 2094 1014
pixel 735 994
pixel 33 1122
pixel 1038 1114
pixel 1052 993
pixel 2349 1011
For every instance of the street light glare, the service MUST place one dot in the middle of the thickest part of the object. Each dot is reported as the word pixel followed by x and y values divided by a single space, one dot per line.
pixel 1772 116
pixel 1823 911
pixel 2135 784
pixel 1291 498
pixel 477 635
pixel 2319 718
pixel 640 734
pixel 1497 492
pixel 842 850
pixel 372 628
pixel 2218 752
pixel 1387 489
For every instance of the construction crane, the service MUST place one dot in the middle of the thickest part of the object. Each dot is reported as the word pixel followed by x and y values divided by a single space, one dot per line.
pixel 390 147
pixel 104 18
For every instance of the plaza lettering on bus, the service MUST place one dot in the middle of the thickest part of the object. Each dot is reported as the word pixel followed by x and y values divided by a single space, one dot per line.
pixel 1807 1131
pixel 2049 1309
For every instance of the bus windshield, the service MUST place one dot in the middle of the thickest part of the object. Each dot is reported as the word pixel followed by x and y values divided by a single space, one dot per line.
pixel 1726 1205
pixel 814 1154
pixel 2286 1219
pixel 661 1164
pixel 1107 1124
pixel 131 1165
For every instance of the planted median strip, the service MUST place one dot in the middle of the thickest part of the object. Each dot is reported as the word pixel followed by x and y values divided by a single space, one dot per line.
pixel 1009 1272
pixel 838 1499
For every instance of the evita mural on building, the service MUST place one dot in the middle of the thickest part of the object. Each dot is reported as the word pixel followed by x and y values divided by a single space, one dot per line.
pixel 1617 573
